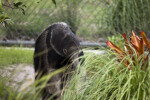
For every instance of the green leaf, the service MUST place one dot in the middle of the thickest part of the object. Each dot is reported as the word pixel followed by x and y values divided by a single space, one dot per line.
pixel 54 2
pixel 23 11
pixel 24 6
pixel 18 4
pixel 1 8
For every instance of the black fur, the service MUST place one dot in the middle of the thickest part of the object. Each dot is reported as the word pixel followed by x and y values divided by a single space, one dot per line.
pixel 54 49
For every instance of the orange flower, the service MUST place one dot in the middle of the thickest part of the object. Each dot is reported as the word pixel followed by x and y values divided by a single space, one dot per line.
pixel 136 43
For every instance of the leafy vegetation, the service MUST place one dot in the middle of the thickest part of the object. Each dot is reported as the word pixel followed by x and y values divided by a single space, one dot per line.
pixel 38 17
pixel 105 18
pixel 119 74
pixel 137 51
pixel 130 14
pixel 136 59
pixel 4 18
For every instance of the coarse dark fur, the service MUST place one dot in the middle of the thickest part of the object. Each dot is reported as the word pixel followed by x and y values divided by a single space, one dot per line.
pixel 55 47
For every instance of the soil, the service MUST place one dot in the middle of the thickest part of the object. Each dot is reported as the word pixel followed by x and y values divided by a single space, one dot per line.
pixel 19 76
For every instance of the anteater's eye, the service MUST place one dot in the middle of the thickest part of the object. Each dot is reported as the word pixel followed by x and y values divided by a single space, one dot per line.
pixel 65 51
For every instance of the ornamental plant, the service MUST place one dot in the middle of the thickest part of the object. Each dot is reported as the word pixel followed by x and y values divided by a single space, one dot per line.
pixel 137 50
pixel 134 81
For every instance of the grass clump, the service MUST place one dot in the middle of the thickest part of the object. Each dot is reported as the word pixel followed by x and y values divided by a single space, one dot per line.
pixel 106 79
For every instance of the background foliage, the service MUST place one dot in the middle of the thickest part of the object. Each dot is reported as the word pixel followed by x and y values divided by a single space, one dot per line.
pixel 88 18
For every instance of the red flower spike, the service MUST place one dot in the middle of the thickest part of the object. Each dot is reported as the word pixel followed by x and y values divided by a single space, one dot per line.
pixel 114 47
pixel 141 47
pixel 146 41
pixel 135 39
pixel 138 44
pixel 120 53
pixel 127 44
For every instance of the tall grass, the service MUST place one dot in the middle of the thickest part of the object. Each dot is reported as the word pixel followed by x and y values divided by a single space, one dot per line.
pixel 108 80
pixel 100 77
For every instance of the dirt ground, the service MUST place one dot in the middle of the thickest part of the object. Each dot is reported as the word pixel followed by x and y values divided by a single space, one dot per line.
pixel 19 76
